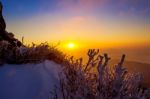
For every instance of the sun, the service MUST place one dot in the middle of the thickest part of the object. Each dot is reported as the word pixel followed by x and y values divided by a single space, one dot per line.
pixel 71 45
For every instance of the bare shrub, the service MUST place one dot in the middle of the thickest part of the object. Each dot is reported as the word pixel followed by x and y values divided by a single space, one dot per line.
pixel 97 80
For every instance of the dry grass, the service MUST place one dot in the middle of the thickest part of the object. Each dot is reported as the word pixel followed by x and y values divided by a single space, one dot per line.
pixel 29 54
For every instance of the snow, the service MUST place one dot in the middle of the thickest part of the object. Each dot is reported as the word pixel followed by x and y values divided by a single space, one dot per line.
pixel 28 81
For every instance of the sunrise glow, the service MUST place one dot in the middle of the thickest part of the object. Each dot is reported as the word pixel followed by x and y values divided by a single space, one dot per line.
pixel 82 24
pixel 71 45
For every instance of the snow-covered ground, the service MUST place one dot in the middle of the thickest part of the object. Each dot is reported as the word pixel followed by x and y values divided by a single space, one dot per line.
pixel 28 81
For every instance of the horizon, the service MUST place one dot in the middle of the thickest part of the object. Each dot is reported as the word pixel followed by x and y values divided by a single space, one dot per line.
pixel 121 25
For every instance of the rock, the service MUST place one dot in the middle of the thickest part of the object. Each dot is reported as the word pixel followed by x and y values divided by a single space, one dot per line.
pixel 4 35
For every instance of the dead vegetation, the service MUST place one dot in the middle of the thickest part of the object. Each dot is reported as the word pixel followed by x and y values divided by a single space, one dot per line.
pixel 29 54
pixel 98 80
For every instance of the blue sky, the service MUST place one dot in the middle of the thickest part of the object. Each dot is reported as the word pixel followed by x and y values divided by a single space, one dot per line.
pixel 28 8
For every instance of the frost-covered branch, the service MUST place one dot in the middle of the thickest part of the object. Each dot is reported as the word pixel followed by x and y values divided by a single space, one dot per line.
pixel 99 81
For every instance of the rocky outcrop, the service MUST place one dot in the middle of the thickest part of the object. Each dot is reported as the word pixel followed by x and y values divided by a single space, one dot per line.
pixel 4 35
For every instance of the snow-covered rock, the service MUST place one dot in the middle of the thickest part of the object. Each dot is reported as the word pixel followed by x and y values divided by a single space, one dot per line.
pixel 28 81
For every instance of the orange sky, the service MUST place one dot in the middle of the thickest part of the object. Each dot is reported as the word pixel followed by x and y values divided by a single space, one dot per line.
pixel 82 29
pixel 105 24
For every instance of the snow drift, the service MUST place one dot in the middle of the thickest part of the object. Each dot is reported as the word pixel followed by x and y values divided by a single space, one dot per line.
pixel 28 81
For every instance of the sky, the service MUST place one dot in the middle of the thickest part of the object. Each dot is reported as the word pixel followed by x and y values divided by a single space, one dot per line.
pixel 115 26
pixel 108 23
